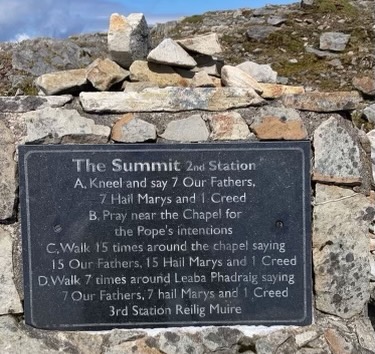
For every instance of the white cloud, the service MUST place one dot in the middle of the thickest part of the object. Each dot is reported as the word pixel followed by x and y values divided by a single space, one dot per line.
pixel 35 18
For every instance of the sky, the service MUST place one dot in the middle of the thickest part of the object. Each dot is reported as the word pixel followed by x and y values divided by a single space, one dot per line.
pixel 22 19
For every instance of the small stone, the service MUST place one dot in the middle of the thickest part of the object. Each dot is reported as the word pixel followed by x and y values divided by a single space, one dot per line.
pixel 170 99
pixel 260 72
pixel 160 75
pixel 307 3
pixel 69 81
pixel 8 179
pixel 168 52
pixel 128 38
pixel 341 250
pixel 369 113
pixel 103 74
pixel 365 84
pixel 132 130
pixel 235 77
pixel 192 129
pixel 228 126
pixel 260 33
pixel 338 343
pixel 336 63
pixel 293 61
pixel 9 299
pixel 334 41
pixel 202 79
pixel 276 123
pixel 273 91
pixel 207 44
pixel 305 337
pixel 324 101
pixel 337 155
pixel 58 125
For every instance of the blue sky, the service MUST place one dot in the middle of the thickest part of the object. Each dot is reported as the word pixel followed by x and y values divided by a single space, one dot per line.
pixel 21 19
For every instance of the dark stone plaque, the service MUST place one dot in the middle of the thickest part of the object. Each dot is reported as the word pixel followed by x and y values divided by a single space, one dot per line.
pixel 166 235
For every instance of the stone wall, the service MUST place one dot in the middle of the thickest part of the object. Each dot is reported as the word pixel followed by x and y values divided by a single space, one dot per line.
pixel 343 210
pixel 179 98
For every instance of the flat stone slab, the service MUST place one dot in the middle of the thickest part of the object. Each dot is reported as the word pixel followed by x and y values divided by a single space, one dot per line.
pixel 324 101
pixel 62 81
pixel 260 72
pixel 235 77
pixel 170 99
pixel 337 154
pixel 57 125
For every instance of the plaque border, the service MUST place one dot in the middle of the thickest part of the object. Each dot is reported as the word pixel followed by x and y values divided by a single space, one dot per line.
pixel 204 147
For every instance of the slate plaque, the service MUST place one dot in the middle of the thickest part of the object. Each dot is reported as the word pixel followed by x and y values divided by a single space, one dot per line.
pixel 166 235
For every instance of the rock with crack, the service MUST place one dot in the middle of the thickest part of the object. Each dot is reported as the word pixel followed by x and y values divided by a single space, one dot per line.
pixel 168 52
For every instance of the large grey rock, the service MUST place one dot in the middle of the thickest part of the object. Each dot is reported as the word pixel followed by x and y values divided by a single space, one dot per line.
pixel 335 41
pixel 324 101
pixel 8 184
pixel 133 130
pixel 170 99
pixel 160 75
pixel 341 250
pixel 260 72
pixel 337 154
pixel 278 123
pixel 128 38
pixel 62 81
pixel 235 77
pixel 371 136
pixel 228 126
pixel 44 55
pixel 58 125
pixel 103 74
pixel 191 129
pixel 9 299
pixel 170 53
pixel 369 113
pixel 260 32
pixel 207 44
